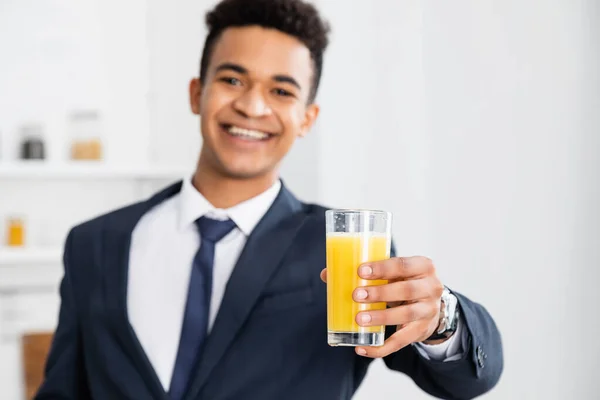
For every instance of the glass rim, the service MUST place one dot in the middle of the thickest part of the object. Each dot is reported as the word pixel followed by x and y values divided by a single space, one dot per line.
pixel 357 211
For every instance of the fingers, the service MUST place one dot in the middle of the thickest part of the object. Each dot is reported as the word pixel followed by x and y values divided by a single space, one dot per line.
pixel 414 289
pixel 393 268
pixel 396 268
pixel 397 341
pixel 400 315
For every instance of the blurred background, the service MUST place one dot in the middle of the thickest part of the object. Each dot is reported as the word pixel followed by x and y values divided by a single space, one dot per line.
pixel 477 123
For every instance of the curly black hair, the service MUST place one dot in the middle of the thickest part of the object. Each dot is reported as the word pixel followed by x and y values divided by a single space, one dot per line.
pixel 294 17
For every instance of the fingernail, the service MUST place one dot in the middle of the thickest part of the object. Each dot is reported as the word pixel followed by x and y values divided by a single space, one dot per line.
pixel 366 271
pixel 360 351
pixel 361 294
pixel 365 318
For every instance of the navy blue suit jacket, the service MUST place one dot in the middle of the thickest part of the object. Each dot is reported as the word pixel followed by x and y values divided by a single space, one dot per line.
pixel 269 338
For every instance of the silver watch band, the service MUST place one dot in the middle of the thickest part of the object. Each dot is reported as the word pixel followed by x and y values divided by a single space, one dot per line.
pixel 449 315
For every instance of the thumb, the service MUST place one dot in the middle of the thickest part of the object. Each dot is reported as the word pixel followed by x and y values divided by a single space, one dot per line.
pixel 324 275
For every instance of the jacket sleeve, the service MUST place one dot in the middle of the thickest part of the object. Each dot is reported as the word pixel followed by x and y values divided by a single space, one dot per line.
pixel 65 377
pixel 474 374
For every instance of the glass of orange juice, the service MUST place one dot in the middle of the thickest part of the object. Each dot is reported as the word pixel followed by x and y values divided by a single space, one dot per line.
pixel 353 237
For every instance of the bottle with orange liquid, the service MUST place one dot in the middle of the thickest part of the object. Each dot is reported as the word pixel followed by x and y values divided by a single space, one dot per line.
pixel 353 237
pixel 86 132
pixel 15 232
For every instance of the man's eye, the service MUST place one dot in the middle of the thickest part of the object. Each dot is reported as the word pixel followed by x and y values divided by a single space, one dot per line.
pixel 282 92
pixel 231 81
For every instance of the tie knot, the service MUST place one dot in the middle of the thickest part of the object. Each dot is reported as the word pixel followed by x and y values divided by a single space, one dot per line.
pixel 214 230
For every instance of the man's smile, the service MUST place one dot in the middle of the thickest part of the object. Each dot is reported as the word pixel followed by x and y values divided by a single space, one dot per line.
pixel 246 133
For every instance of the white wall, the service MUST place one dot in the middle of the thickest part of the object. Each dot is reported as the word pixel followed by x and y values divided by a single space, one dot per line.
pixel 508 85
pixel 61 56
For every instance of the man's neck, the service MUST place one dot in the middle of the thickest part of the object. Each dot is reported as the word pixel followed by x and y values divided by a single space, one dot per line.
pixel 224 192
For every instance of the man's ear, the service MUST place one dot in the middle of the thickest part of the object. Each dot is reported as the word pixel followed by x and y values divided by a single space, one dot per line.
pixel 195 95
pixel 310 116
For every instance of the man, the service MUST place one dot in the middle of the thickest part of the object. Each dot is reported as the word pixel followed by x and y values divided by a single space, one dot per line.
pixel 212 288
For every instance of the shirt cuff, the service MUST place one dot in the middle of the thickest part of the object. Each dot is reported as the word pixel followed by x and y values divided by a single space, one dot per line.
pixel 450 350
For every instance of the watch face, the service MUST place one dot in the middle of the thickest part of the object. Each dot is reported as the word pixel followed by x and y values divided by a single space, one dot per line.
pixel 448 316
pixel 449 311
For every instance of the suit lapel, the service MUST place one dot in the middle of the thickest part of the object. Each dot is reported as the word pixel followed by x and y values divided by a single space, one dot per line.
pixel 116 246
pixel 262 254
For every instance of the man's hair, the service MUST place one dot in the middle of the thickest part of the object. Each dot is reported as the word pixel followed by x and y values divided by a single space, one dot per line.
pixel 296 18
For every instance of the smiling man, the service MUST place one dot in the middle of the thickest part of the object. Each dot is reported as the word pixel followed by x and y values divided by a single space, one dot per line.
pixel 212 289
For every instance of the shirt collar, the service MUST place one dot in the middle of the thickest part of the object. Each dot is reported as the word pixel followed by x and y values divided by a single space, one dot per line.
pixel 246 215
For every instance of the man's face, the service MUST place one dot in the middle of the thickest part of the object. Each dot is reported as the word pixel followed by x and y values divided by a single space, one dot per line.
pixel 253 100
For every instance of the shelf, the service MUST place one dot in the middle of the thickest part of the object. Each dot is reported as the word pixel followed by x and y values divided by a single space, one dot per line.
pixel 30 256
pixel 84 170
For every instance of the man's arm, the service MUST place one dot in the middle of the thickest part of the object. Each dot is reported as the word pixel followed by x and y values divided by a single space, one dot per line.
pixel 65 370
pixel 476 371
pixel 413 294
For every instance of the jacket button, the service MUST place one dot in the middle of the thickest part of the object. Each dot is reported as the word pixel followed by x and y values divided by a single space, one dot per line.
pixel 481 356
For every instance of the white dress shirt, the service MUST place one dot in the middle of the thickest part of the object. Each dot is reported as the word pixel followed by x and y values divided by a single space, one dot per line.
pixel 450 350
pixel 163 247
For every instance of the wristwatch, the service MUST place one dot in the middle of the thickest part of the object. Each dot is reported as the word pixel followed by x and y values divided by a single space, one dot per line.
pixel 449 315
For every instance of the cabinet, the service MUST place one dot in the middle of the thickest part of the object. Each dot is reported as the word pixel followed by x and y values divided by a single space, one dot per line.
pixel 29 303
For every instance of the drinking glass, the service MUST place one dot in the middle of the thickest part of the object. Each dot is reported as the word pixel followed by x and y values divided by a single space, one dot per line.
pixel 354 237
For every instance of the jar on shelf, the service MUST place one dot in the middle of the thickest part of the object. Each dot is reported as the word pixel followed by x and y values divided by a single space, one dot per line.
pixel 86 135
pixel 32 142
pixel 15 231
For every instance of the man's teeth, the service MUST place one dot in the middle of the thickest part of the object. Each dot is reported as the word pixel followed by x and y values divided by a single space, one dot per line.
pixel 247 133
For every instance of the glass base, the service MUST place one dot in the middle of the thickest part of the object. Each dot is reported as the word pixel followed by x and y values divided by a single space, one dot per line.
pixel 355 338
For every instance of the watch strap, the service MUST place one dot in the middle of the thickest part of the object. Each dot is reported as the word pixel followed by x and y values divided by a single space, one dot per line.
pixel 449 316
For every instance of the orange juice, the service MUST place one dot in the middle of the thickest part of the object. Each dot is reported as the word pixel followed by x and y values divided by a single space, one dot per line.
pixel 15 232
pixel 345 253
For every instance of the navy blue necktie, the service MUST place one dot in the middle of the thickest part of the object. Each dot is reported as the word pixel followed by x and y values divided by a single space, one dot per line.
pixel 195 321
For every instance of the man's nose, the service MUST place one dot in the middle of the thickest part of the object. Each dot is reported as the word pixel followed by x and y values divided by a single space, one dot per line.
pixel 252 104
